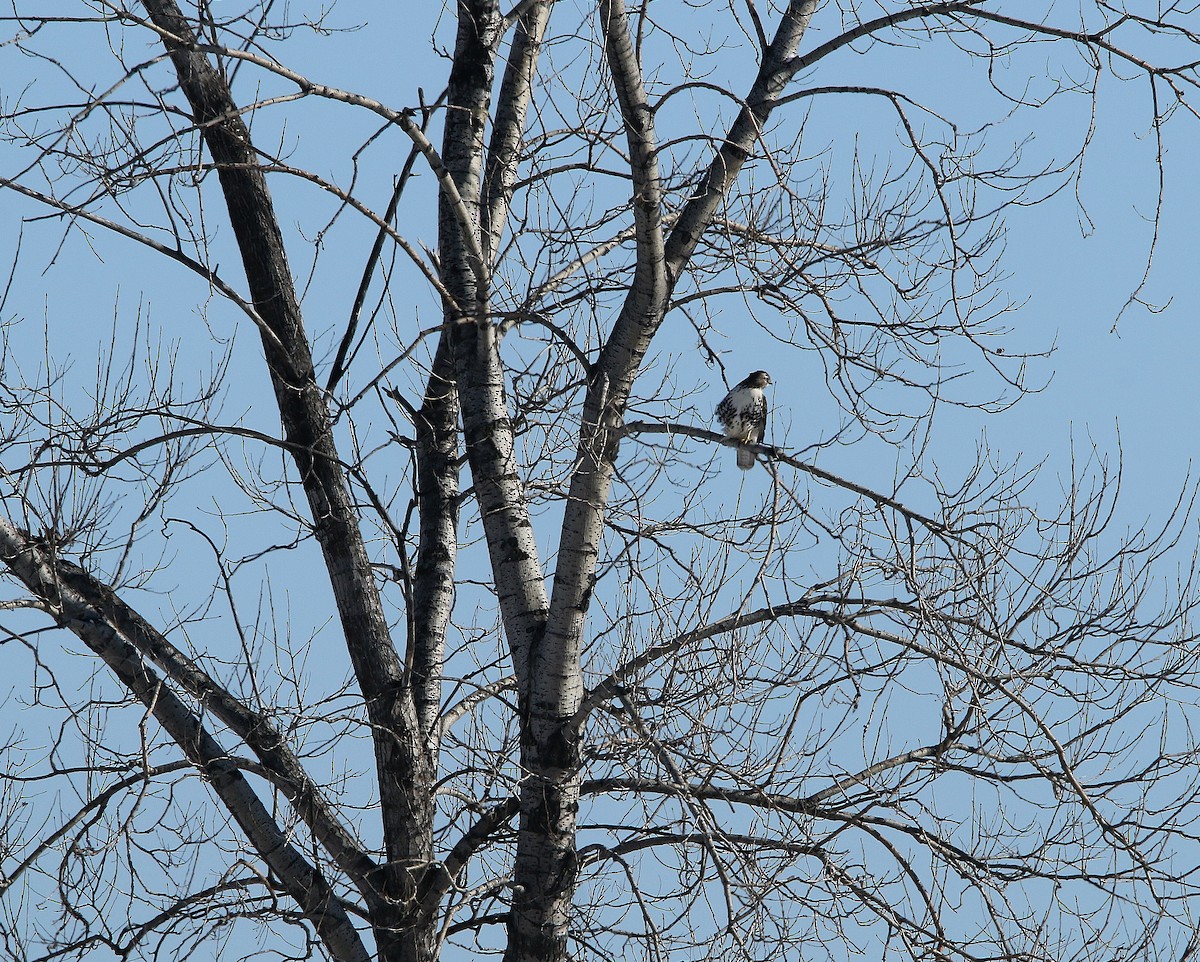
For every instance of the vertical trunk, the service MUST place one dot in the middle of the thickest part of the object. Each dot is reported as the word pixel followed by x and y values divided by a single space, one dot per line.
pixel 404 771
pixel 433 581
pixel 546 862
pixel 487 428
pixel 538 923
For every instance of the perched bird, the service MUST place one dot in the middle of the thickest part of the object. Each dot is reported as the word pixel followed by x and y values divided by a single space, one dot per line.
pixel 743 415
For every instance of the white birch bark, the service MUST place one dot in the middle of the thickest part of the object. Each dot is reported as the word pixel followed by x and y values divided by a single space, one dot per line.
pixel 512 106
pixel 487 426
pixel 433 578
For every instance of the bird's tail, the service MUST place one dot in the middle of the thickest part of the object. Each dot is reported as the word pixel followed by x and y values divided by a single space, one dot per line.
pixel 745 457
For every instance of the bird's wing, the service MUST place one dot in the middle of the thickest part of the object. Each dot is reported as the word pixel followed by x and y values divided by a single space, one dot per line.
pixel 760 423
pixel 724 410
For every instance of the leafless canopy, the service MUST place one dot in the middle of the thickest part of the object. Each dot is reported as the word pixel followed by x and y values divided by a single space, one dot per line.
pixel 382 591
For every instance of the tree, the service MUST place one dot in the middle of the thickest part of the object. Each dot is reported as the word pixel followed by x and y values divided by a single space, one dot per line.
pixel 593 701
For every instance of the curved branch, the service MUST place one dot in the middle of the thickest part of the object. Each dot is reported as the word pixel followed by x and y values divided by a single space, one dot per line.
pixel 174 253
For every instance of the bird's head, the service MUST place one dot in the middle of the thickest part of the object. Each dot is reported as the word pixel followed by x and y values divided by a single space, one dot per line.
pixel 759 379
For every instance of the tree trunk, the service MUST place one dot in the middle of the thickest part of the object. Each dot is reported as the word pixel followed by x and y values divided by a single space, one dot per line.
pixel 403 766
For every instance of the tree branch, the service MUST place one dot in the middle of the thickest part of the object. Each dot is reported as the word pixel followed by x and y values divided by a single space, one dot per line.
pixel 71 609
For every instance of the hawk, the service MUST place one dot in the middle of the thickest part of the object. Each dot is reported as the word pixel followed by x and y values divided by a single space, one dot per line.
pixel 743 415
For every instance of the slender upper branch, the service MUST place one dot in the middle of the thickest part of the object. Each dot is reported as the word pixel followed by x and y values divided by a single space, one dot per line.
pixel 508 132
pixel 777 69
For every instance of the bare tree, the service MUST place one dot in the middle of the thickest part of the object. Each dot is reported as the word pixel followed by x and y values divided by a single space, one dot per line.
pixel 468 643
